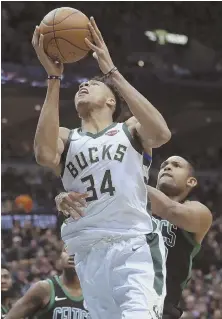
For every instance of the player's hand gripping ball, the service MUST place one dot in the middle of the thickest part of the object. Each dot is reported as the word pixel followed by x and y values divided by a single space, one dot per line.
pixel 51 67
pixel 64 30
pixel 101 52
pixel 60 38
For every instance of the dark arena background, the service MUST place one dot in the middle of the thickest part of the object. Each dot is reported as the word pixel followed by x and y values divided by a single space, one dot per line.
pixel 172 53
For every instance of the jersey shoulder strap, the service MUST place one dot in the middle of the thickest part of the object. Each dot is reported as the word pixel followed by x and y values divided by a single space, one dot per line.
pixel 64 154
pixel 57 286
pixel 60 291
pixel 51 302
pixel 134 140
pixel 147 161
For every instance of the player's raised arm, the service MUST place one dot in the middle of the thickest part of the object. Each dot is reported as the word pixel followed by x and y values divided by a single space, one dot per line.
pixel 49 138
pixel 36 297
pixel 191 216
pixel 151 125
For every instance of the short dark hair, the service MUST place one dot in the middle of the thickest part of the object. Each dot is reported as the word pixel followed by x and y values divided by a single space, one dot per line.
pixel 119 100
pixel 4 266
pixel 191 169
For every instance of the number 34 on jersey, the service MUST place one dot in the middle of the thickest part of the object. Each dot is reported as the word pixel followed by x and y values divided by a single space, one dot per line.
pixel 101 164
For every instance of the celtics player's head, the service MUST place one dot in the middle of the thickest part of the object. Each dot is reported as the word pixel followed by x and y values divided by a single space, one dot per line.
pixel 98 97
pixel 176 177
pixel 6 282
pixel 68 265
pixel 66 260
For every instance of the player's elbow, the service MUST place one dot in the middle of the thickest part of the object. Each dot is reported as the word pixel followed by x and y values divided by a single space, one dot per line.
pixel 165 135
pixel 162 137
pixel 43 157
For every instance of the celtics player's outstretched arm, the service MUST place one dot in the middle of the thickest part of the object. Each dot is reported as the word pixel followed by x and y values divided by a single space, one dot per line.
pixel 49 138
pixel 191 216
pixel 151 126
pixel 36 298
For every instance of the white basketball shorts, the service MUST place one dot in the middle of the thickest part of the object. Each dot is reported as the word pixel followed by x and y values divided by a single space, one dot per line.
pixel 124 279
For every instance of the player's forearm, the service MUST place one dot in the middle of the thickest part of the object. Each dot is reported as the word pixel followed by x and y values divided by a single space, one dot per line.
pixel 21 311
pixel 47 132
pixel 166 208
pixel 148 116
pixel 162 205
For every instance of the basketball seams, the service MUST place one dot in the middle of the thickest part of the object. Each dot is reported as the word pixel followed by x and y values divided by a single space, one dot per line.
pixel 72 44
pixel 56 39
pixel 49 25
pixel 64 43
pixel 66 30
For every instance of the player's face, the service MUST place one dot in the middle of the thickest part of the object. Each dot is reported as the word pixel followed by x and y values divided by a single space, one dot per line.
pixel 93 94
pixel 67 261
pixel 6 280
pixel 174 176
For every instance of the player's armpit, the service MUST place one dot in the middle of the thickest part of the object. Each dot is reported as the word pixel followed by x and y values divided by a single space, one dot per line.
pixel 191 216
pixel 36 297
pixel 133 125
pixel 149 141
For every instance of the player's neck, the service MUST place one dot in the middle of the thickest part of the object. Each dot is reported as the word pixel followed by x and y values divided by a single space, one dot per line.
pixel 96 122
pixel 70 280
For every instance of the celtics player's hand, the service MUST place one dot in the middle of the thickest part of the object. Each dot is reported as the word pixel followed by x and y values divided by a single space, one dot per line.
pixel 51 67
pixel 101 52
pixel 71 204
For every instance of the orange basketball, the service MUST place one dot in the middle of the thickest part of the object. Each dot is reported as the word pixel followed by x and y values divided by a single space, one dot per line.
pixel 65 30
pixel 25 202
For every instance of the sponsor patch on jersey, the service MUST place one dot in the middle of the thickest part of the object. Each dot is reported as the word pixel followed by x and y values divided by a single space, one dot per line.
pixel 112 132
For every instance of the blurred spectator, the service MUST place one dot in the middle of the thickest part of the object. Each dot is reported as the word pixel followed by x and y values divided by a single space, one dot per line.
pixel 16 252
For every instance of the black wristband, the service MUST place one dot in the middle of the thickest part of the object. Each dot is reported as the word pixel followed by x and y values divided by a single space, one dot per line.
pixel 114 69
pixel 54 77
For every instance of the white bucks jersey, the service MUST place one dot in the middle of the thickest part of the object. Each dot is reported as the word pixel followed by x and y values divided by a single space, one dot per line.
pixel 108 166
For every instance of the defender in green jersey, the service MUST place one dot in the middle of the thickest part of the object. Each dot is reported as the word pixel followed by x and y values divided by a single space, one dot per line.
pixel 183 224
pixel 55 298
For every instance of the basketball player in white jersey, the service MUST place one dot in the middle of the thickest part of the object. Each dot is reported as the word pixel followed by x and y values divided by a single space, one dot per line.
pixel 121 276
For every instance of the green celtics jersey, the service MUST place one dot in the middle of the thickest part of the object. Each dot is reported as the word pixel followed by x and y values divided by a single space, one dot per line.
pixel 181 248
pixel 4 311
pixel 62 304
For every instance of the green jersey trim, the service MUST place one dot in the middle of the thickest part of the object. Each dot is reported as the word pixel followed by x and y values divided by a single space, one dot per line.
pixel 64 154
pixel 153 222
pixel 190 238
pixel 194 252
pixel 134 141
pixel 153 242
pixel 80 298
pixel 4 310
pixel 97 134
pixel 49 306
